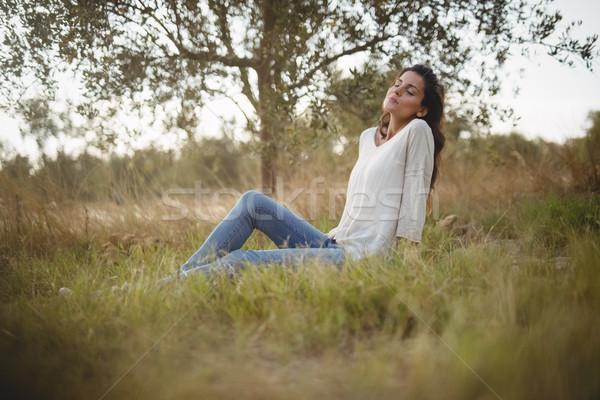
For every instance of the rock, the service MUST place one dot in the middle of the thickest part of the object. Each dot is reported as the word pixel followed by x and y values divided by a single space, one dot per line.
pixel 448 222
pixel 66 292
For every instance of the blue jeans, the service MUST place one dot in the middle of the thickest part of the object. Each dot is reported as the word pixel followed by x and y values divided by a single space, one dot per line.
pixel 296 239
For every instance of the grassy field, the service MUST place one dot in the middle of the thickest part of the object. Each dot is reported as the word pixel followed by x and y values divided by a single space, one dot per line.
pixel 503 303
pixel 508 308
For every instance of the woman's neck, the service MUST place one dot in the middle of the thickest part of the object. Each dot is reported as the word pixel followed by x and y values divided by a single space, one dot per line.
pixel 396 126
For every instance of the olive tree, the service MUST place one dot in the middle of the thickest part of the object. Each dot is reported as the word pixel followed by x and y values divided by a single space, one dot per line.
pixel 279 54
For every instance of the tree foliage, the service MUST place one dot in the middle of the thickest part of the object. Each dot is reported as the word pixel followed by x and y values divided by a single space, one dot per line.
pixel 275 55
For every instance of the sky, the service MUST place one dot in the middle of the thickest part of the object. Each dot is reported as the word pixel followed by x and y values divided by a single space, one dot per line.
pixel 553 102
pixel 554 99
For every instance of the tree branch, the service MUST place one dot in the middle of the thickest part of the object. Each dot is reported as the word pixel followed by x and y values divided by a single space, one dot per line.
pixel 177 21
pixel 228 61
pixel 203 56
pixel 226 38
pixel 328 60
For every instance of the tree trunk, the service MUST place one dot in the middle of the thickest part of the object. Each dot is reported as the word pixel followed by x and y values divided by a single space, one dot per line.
pixel 268 135
pixel 266 110
pixel 267 158
pixel 267 174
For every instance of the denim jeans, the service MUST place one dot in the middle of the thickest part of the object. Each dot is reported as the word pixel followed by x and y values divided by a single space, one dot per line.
pixel 297 240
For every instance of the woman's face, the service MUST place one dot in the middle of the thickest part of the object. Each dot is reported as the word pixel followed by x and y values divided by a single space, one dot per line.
pixel 404 98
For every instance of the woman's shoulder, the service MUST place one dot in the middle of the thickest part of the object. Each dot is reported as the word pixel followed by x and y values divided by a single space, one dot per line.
pixel 420 131
pixel 370 132
pixel 419 125
pixel 367 135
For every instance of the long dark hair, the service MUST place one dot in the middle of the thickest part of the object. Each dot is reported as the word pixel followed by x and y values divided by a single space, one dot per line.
pixel 434 102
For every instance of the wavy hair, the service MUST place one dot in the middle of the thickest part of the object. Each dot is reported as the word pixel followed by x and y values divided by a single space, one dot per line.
pixel 433 100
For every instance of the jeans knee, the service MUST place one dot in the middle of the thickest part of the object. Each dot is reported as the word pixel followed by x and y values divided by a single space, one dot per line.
pixel 252 198
pixel 249 196
pixel 250 193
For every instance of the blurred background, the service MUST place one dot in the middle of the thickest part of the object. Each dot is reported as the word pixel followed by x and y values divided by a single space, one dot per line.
pixel 108 108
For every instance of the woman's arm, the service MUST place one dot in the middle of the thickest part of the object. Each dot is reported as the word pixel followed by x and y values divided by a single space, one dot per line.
pixel 417 177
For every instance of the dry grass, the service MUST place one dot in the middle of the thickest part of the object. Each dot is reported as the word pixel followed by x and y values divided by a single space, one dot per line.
pixel 504 309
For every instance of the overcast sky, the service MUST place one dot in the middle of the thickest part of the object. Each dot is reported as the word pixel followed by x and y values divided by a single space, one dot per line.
pixel 553 102
pixel 554 99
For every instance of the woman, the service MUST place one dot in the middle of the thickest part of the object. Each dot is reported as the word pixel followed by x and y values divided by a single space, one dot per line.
pixel 386 199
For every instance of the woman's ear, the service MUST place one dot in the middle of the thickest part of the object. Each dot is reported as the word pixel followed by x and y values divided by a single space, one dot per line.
pixel 422 112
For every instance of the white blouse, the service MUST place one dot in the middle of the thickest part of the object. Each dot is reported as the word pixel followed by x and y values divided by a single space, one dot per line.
pixel 387 191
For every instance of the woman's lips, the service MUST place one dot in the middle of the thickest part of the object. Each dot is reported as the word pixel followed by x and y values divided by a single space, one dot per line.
pixel 393 100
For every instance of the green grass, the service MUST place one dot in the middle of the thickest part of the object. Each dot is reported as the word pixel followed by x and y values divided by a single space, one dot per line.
pixel 513 314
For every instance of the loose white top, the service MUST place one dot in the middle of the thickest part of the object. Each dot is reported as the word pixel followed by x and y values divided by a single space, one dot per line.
pixel 387 191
